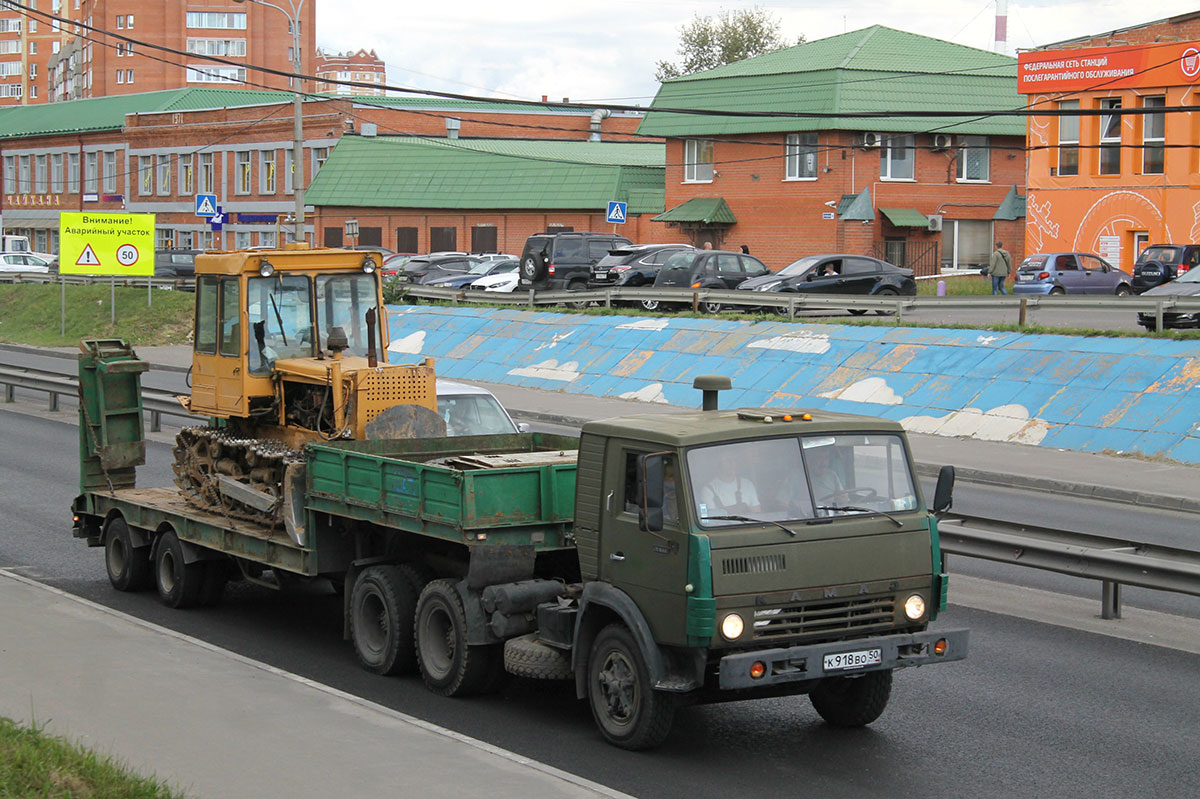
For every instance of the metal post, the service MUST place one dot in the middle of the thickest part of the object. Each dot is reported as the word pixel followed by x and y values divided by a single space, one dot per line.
pixel 1021 314
pixel 155 421
pixel 1110 601
pixel 1158 323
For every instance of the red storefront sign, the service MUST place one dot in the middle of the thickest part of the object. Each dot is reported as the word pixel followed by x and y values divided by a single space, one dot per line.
pixel 1131 66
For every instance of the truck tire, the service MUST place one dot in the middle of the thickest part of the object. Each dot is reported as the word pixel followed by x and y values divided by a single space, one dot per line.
pixel 852 701
pixel 449 666
pixel 525 656
pixel 128 566
pixel 627 709
pixel 381 620
pixel 179 583
pixel 533 267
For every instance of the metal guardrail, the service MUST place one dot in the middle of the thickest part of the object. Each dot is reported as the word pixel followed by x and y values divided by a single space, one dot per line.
pixel 179 283
pixel 715 300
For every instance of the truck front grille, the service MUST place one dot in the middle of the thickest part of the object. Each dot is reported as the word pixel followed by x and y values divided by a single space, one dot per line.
pixel 830 618
pixel 754 564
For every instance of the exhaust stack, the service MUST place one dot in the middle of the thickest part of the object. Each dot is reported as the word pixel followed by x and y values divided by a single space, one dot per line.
pixel 710 385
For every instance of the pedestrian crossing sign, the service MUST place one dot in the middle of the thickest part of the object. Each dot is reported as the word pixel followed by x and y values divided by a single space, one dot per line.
pixel 206 205
pixel 616 212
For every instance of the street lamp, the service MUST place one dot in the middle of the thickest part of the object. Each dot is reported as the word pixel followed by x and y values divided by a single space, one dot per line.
pixel 297 126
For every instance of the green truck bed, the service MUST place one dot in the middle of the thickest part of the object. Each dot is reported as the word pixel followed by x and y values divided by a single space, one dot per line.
pixel 514 490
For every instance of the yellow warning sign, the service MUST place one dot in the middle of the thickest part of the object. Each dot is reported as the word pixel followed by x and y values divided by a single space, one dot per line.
pixel 106 244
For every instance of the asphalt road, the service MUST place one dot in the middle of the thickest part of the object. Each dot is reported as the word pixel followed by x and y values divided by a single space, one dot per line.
pixel 1036 710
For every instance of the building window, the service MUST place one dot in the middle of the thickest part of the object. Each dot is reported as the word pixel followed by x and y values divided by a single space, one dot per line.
pixel 24 179
pixel 164 238
pixel 966 243
pixel 1153 136
pixel 242 172
pixel 120 76
pixel 197 74
pixel 73 173
pixel 483 238
pixel 800 156
pixel 56 173
pixel 216 19
pixel 406 239
pixel 1110 137
pixel 266 172
pixel 217 47
pixel 206 239
pixel 91 173
pixel 207 178
pixel 129 76
pixel 110 171
pixel 241 240
pixel 289 173
pixel 443 239
pixel 187 174
pixel 10 174
pixel 164 173
pixel 974 157
pixel 41 174
pixel 697 161
pixel 10 69
pixel 120 22
pixel 145 175
pixel 267 239
pixel 319 156
pixel 129 21
pixel 1068 139
pixel 896 157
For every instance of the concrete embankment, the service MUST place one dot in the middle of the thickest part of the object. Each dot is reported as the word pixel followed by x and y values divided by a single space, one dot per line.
pixel 1125 395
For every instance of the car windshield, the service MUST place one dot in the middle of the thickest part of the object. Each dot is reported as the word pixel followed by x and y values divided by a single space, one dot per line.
pixel 481 268
pixel 798 267
pixel 800 477
pixel 343 301
pixel 473 415
pixel 280 312
pixel 1166 255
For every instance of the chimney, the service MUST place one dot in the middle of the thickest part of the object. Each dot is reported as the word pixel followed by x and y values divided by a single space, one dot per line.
pixel 452 127
pixel 1001 26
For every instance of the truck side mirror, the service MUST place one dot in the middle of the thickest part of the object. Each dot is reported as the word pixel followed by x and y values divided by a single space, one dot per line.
pixel 943 495
pixel 650 503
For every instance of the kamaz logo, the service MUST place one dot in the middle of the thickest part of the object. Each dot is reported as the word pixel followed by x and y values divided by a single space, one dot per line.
pixel 832 593
pixel 826 593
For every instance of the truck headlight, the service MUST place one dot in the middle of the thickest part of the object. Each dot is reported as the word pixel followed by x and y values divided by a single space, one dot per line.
pixel 732 626
pixel 914 607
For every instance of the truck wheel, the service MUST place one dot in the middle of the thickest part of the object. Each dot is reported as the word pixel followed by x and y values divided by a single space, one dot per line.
pixel 179 583
pixel 128 566
pixel 852 701
pixel 578 285
pixel 628 711
pixel 533 267
pixel 381 620
pixel 449 665
pixel 525 656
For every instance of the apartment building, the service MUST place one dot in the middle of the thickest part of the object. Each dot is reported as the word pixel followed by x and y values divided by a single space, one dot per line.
pixel 358 67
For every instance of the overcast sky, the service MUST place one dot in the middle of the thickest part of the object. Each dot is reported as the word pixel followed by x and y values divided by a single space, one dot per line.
pixel 608 50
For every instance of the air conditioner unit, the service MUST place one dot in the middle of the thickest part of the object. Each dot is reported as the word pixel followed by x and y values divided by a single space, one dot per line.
pixel 941 141
pixel 935 222
pixel 871 140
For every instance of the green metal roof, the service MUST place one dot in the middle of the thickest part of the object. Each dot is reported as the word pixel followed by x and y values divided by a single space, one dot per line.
pixel 708 210
pixel 873 70
pixel 108 113
pixel 408 172
pixel 905 217
pixel 856 207
pixel 1013 206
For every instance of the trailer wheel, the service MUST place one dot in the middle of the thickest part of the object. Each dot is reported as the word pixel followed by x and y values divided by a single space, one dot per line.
pixel 628 711
pixel 448 664
pixel 525 656
pixel 852 701
pixel 128 566
pixel 179 583
pixel 381 620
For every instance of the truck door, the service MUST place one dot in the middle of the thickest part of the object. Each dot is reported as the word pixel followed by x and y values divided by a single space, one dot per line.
pixel 650 567
pixel 217 362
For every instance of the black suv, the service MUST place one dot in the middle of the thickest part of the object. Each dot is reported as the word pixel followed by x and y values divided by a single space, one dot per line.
pixel 564 260
pixel 1160 263
pixel 636 265
pixel 709 269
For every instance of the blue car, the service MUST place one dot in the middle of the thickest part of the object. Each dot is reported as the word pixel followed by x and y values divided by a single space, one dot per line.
pixel 1071 273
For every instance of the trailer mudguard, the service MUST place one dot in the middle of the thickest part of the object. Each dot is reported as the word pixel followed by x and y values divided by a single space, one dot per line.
pixel 670 669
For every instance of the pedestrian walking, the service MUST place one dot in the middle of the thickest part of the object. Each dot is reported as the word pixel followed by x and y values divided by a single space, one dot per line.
pixel 999 268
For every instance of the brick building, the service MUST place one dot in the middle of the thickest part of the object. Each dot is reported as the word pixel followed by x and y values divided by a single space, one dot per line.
pixel 1108 182
pixel 43 60
pixel 153 152
pixel 358 67
pixel 860 177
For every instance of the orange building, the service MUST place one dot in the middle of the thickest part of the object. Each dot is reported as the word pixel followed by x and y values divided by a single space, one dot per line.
pixel 1125 172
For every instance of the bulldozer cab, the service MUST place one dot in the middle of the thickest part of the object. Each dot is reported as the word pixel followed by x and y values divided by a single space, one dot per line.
pixel 257 308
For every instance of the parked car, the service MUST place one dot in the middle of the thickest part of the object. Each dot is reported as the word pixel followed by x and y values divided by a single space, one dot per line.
pixel 838 274
pixel 23 262
pixel 564 260
pixel 423 268
pixel 636 265
pixel 504 280
pixel 1186 285
pixel 495 256
pixel 473 411
pixel 1160 263
pixel 1070 273
pixel 374 247
pixel 175 264
pixel 481 269
pixel 709 269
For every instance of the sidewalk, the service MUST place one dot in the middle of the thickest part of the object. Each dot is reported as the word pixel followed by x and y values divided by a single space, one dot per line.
pixel 216 724
pixel 1162 484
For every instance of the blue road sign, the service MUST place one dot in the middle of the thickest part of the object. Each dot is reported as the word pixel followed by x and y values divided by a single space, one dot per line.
pixel 206 205
pixel 616 212
pixel 217 219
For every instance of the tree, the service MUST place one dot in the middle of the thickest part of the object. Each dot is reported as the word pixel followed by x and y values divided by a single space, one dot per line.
pixel 708 42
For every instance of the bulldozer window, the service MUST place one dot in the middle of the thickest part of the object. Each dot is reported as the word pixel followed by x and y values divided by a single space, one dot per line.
pixel 343 301
pixel 231 339
pixel 280 313
pixel 206 315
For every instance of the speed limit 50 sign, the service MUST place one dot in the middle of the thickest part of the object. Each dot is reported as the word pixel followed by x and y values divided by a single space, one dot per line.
pixel 106 244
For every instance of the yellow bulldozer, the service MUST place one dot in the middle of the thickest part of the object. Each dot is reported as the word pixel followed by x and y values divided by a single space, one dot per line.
pixel 290 346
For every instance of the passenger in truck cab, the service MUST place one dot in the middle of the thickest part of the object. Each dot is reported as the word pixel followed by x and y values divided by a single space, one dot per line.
pixel 823 472
pixel 728 492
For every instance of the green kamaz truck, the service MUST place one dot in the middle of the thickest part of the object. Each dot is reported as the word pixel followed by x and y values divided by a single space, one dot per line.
pixel 655 560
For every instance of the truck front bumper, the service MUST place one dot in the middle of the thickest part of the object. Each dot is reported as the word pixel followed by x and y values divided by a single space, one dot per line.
pixel 809 662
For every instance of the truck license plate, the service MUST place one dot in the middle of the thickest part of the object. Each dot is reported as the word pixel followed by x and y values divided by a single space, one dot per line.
pixel 843 661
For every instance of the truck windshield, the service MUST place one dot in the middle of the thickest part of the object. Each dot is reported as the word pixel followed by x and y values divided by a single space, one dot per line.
pixel 280 312
pixel 800 477
pixel 343 301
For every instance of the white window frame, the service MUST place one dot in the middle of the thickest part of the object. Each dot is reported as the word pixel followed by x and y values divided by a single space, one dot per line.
pixel 145 175
pixel 91 173
pixel 800 149
pixel 897 142
pixel 56 173
pixel 10 174
pixel 1065 133
pixel 1154 143
pixel 109 176
pixel 242 169
pixel 268 165
pixel 187 174
pixel 206 177
pixel 72 173
pixel 1108 142
pixel 698 161
pixel 162 168
pixel 972 144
